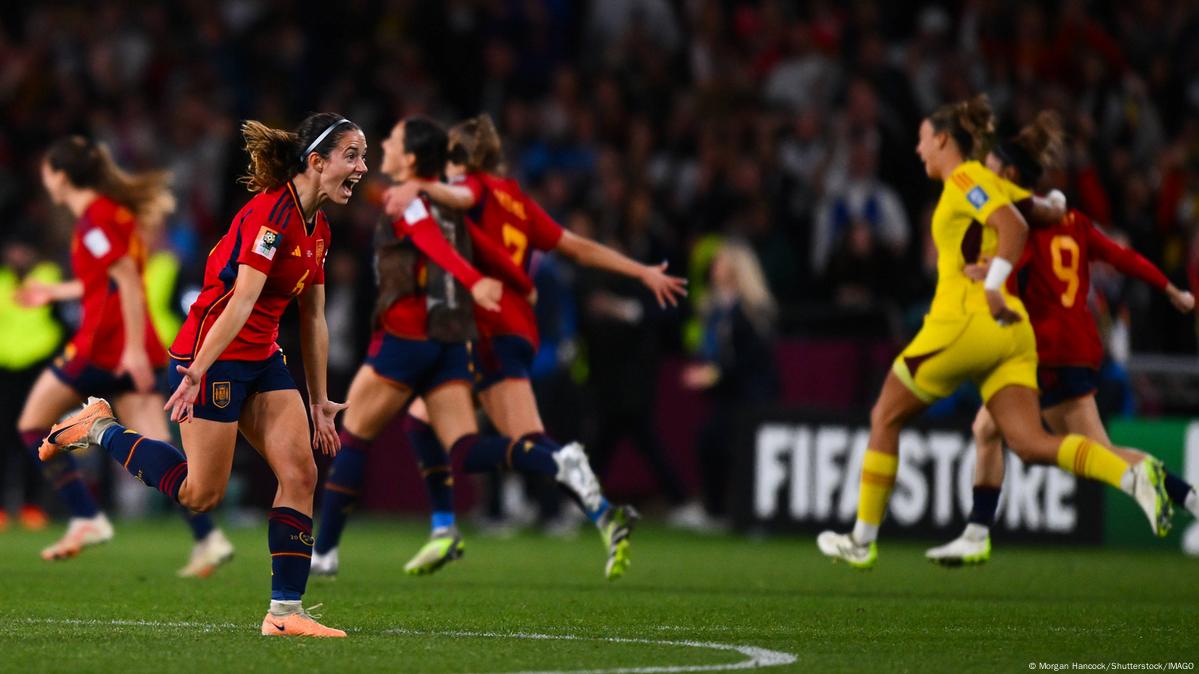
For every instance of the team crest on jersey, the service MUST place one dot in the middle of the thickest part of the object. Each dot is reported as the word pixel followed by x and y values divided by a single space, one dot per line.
pixel 221 393
pixel 267 242
pixel 977 197
pixel 320 250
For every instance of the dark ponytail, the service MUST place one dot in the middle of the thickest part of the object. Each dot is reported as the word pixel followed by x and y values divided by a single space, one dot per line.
pixel 427 141
pixel 476 144
pixel 277 156
pixel 970 123
pixel 90 165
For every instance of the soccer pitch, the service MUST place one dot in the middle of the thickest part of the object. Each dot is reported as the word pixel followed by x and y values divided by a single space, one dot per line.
pixel 534 604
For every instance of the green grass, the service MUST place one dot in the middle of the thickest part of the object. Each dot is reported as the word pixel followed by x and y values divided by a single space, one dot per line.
pixel 1027 605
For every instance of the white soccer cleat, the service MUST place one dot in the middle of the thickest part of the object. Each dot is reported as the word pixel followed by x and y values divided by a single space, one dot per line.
pixel 324 565
pixel 82 532
pixel 1149 490
pixel 207 554
pixel 972 547
pixel 842 547
pixel 574 471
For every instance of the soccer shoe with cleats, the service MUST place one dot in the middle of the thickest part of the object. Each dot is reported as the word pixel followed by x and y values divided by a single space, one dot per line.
pixel 972 547
pixel 207 554
pixel 82 532
pixel 76 431
pixel 616 530
pixel 574 471
pixel 442 548
pixel 1149 490
pixel 842 547
pixel 298 624
pixel 325 565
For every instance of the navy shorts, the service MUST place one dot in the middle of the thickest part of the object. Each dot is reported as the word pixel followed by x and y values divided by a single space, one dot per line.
pixel 229 383
pixel 502 357
pixel 88 380
pixel 420 365
pixel 1062 383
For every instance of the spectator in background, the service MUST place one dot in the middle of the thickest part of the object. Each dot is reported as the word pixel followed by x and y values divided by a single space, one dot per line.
pixel 737 368
pixel 861 231
pixel 28 338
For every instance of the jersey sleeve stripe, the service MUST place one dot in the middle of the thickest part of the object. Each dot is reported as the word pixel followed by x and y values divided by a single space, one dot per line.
pixel 275 208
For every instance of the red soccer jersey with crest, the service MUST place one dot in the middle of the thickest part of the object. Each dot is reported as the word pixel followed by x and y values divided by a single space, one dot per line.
pixel 268 234
pixel 506 215
pixel 105 233
pixel 1054 279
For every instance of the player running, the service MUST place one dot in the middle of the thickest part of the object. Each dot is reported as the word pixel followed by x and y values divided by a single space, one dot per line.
pixel 229 373
pixel 976 331
pixel 116 352
pixel 1054 282
pixel 502 215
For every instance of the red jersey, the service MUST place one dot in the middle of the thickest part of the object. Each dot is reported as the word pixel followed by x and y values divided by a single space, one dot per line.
pixel 105 233
pixel 268 234
pixel 506 215
pixel 1054 280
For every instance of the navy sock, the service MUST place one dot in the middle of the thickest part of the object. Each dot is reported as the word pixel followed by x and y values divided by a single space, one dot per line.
pixel 342 489
pixel 156 463
pixel 63 474
pixel 201 524
pixel 545 442
pixel 483 453
pixel 1177 488
pixel 434 468
pixel 986 502
pixel 289 536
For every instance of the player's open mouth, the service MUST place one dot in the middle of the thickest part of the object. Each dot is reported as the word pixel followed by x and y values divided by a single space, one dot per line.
pixel 347 186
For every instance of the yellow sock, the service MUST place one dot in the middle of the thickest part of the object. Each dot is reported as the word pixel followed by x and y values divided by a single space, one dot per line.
pixel 878 477
pixel 1087 458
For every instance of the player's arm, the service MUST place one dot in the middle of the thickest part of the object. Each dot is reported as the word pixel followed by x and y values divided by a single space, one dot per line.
pixel 1046 210
pixel 1013 231
pixel 666 289
pixel 35 293
pixel 314 348
pixel 417 224
pixel 460 196
pixel 1131 263
pixel 132 293
pixel 246 288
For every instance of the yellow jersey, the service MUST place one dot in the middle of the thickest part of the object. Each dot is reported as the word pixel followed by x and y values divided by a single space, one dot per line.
pixel 969 196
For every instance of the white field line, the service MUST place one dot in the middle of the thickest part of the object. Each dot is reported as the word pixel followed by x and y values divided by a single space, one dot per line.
pixel 755 657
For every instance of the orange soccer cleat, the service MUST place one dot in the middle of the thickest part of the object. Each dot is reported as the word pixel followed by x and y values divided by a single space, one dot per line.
pixel 74 431
pixel 82 532
pixel 301 624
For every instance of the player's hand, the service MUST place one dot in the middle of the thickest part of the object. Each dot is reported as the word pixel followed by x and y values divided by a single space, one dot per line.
pixel 33 294
pixel 1000 310
pixel 182 401
pixel 397 197
pixel 978 270
pixel 487 293
pixel 531 298
pixel 666 289
pixel 699 376
pixel 324 430
pixel 1182 300
pixel 135 363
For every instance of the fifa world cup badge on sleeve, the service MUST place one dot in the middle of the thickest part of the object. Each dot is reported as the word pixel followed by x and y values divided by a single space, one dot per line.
pixel 977 197
pixel 266 243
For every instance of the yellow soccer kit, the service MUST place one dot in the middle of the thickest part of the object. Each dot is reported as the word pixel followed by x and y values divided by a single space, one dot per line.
pixel 960 340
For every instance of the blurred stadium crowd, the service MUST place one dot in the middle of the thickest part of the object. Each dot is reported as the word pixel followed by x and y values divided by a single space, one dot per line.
pixel 659 127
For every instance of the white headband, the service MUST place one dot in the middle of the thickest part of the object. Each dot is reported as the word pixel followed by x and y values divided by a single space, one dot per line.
pixel 334 125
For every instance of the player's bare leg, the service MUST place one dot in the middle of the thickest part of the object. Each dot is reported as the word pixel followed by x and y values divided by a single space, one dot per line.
pixel 896 406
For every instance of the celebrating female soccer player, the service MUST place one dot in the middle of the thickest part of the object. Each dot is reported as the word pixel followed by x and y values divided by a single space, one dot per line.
pixel 504 216
pixel 229 373
pixel 1068 348
pixel 116 351
pixel 976 331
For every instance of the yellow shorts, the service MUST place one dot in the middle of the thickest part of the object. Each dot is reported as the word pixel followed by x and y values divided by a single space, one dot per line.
pixel 949 351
